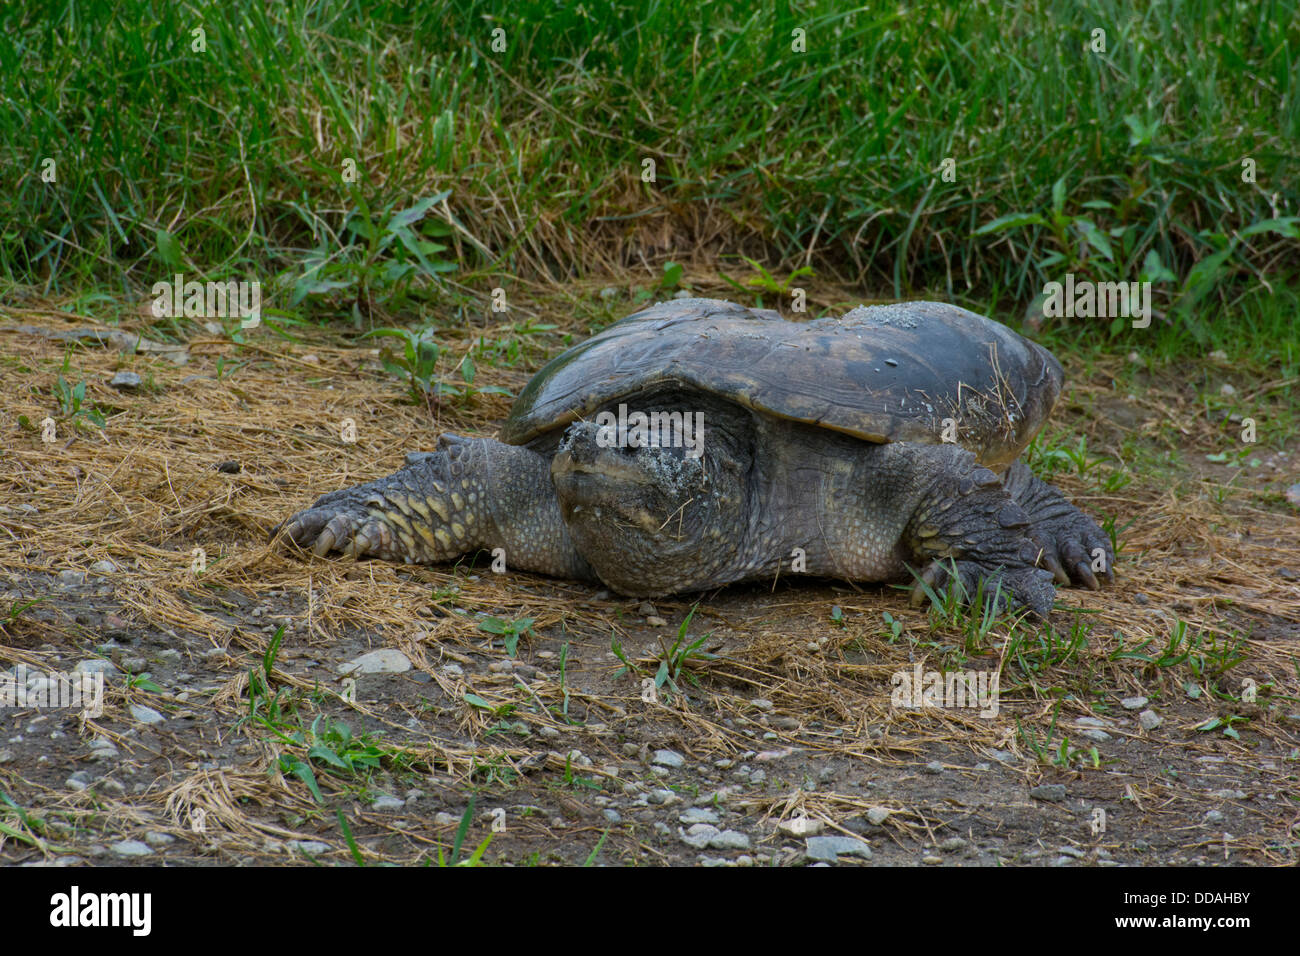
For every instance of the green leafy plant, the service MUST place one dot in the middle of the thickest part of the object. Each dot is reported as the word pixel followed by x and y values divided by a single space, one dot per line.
pixel 417 363
pixel 509 631
pixel 668 283
pixel 381 252
pixel 764 281
pixel 675 661
pixel 462 830
pixel 71 400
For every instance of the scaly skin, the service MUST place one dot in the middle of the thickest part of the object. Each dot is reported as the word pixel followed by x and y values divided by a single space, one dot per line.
pixel 650 521
pixel 471 494
pixel 1068 538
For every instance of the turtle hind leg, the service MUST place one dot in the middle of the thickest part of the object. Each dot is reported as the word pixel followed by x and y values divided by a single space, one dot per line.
pixel 470 494
pixel 1074 548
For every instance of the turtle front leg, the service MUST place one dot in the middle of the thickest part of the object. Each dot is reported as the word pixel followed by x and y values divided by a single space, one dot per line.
pixel 1074 549
pixel 470 494
pixel 960 519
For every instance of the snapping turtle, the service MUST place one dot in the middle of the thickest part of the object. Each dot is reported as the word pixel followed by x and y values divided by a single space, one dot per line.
pixel 698 442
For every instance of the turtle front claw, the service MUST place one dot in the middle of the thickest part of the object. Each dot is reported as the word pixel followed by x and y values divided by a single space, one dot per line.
pixel 349 527
pixel 1074 549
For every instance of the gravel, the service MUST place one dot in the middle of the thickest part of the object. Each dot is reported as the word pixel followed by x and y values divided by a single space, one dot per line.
pixel 383 661
pixel 1150 720
pixel 131 848
pixel 146 715
pixel 830 848
pixel 668 758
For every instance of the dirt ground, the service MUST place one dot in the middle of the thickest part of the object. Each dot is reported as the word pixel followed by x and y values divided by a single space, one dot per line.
pixel 144 544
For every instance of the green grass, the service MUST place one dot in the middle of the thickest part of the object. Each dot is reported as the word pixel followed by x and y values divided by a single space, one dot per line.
pixel 233 161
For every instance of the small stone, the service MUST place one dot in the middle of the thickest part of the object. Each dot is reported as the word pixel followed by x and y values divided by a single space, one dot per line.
pixel 1073 851
pixel 134 664
pixel 699 836
pixel 878 815
pixel 934 766
pixel 104 567
pixel 79 780
pixel 101 749
pixel 830 848
pixel 1133 703
pixel 130 848
pixel 1099 736
pixel 729 840
pixel 762 703
pixel 386 660
pixel 125 380
pixel 1228 794
pixel 169 655
pixel 695 815
pixel 951 844
pixel 1096 722
pixel 6 755
pixel 1050 792
pixel 609 292
pixel 387 803
pixel 1213 816
pixel 647 609
pixel 71 579
pixel 785 723
pixel 95 665
pixel 156 838
pixel 668 758
pixel 1150 720
pixel 1218 355
pixel 801 826
pixel 546 730
pixel 661 797
pixel 1226 389
pixel 146 715
pixel 313 847
pixel 931 860
pixel 612 815
pixel 655 621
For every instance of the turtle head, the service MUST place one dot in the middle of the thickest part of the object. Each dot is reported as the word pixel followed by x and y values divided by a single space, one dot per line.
pixel 649 518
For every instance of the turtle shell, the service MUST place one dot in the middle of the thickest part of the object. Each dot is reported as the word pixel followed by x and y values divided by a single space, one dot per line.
pixel 910 371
